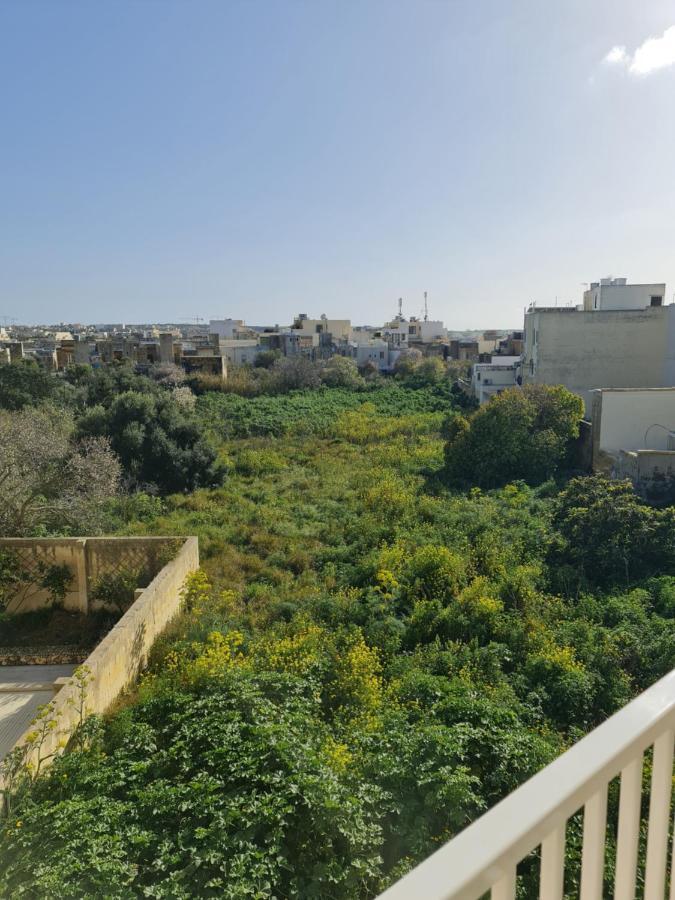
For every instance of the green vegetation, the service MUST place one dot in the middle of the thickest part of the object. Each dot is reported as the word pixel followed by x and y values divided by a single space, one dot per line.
pixel 368 660
pixel 523 433
pixel 49 479
pixel 156 440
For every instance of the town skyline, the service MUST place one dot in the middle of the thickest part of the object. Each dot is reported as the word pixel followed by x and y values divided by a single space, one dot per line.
pixel 268 158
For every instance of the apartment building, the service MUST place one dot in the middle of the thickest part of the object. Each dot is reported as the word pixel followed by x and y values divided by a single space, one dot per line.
pixel 613 345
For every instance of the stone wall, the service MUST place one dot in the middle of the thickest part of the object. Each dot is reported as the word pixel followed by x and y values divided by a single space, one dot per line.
pixel 87 560
pixel 118 659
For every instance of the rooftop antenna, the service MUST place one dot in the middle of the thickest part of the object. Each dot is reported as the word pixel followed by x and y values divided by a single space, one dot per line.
pixel 426 308
pixel 400 307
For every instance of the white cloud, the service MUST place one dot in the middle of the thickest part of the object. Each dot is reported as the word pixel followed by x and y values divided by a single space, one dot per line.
pixel 653 54
pixel 616 55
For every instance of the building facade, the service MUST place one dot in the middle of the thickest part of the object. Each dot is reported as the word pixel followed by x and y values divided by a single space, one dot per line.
pixel 589 349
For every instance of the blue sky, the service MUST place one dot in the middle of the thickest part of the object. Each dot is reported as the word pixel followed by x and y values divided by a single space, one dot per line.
pixel 160 160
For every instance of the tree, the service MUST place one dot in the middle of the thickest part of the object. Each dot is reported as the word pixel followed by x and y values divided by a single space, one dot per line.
pixel 48 481
pixel 608 536
pixel 342 372
pixel 429 370
pixel 295 373
pixel 520 434
pixel 167 374
pixel 158 441
pixel 24 383
pixel 407 362
pixel 266 359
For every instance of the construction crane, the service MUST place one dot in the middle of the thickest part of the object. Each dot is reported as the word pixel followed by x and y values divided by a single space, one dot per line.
pixel 193 318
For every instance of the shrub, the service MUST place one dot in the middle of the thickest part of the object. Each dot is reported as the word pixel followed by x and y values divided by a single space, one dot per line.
pixel 235 792
pixel 117 589
pixel 607 535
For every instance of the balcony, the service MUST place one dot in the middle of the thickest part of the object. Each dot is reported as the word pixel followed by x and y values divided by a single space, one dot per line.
pixel 482 861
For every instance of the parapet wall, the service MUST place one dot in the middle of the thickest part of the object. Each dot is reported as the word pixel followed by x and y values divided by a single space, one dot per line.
pixel 118 659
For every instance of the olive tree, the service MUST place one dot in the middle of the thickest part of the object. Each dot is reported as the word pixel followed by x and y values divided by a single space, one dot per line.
pixel 342 372
pixel 49 482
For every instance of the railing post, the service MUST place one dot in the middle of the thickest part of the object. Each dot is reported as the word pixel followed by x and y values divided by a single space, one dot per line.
pixel 80 560
pixel 593 847
pixel 505 888
pixel 629 830
pixel 659 817
pixel 552 873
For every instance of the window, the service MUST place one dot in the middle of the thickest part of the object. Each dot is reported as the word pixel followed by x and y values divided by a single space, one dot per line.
pixel 655 300
pixel 411 329
pixel 381 354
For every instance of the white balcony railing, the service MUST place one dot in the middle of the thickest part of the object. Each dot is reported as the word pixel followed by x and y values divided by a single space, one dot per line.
pixel 484 856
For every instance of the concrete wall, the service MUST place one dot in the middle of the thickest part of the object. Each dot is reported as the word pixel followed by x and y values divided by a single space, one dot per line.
pixel 622 418
pixel 432 331
pixel 240 352
pixel 641 466
pixel 589 350
pixel 623 296
pixel 117 660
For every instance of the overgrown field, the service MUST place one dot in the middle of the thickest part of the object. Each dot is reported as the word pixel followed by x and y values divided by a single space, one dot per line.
pixel 366 663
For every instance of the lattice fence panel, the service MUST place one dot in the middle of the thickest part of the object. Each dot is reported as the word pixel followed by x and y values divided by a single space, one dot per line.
pixel 144 559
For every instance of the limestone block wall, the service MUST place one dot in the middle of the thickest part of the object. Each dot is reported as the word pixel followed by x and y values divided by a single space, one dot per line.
pixel 118 659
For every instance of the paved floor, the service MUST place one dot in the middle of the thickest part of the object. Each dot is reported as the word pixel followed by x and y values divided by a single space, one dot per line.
pixel 22 690
pixel 34 674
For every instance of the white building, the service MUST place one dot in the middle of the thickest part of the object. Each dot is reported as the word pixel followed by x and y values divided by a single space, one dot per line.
pixel 428 331
pixel 615 293
pixel 376 352
pixel 226 328
pixel 398 332
pixel 240 352
pixel 488 379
